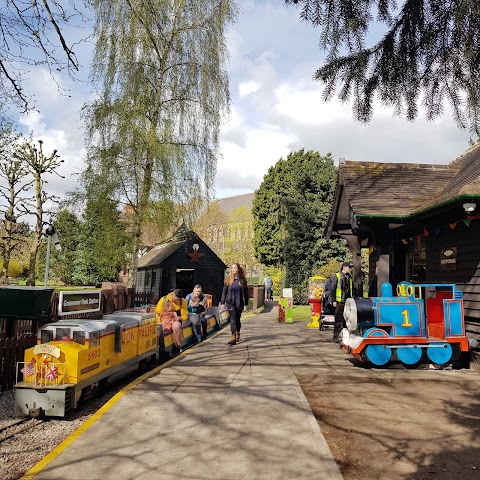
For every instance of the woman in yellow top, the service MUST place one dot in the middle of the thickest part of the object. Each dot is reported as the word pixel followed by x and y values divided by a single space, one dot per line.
pixel 180 308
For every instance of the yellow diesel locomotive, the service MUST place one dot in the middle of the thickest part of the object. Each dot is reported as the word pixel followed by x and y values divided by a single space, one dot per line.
pixel 73 358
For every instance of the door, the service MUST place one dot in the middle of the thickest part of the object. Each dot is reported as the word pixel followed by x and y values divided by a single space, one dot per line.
pixel 184 280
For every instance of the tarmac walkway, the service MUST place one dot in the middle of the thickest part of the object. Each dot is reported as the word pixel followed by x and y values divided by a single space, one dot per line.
pixel 214 412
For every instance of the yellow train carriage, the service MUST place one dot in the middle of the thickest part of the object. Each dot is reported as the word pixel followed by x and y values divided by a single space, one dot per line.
pixel 74 357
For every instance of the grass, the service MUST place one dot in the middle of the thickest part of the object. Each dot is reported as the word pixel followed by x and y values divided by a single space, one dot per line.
pixel 301 313
pixel 22 283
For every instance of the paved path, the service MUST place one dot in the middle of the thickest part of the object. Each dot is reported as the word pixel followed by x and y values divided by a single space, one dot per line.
pixel 216 412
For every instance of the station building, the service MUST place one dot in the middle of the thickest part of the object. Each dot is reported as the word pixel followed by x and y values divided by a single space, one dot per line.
pixel 419 222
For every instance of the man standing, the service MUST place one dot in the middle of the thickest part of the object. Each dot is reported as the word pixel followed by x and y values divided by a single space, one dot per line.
pixel 268 284
pixel 202 299
pixel 342 288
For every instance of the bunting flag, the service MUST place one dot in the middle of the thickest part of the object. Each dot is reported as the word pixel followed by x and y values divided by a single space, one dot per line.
pixel 467 222
pixel 453 225
pixel 473 217
pixel 419 239
pixel 405 242
pixel 437 230
pixel 426 232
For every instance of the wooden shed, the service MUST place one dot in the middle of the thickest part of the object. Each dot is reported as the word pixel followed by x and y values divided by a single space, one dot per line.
pixel 420 222
pixel 183 262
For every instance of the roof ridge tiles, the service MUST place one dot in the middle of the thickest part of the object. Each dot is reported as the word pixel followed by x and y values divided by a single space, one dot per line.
pixel 363 163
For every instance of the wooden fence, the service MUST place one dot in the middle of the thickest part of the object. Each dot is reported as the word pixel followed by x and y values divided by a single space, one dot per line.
pixel 11 352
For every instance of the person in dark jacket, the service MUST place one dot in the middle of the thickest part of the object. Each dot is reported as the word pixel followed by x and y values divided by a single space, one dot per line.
pixel 235 297
pixel 342 288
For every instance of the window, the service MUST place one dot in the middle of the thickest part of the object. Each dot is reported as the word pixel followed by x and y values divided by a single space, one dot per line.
pixel 154 279
pixel 62 333
pixel 147 279
pixel 94 339
pixel 79 337
pixel 46 336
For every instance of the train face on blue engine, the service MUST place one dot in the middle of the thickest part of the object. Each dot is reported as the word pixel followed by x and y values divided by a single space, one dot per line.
pixel 422 323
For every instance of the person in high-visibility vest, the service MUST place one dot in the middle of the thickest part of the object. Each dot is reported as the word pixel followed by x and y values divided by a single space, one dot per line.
pixel 342 288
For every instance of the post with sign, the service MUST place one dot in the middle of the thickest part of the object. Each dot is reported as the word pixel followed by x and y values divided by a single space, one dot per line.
pixel 285 306
pixel 79 301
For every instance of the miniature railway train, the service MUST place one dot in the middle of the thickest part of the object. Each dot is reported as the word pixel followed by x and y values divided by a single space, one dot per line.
pixel 423 323
pixel 75 358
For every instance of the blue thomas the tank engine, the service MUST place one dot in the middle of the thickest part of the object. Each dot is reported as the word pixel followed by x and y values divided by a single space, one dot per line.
pixel 422 323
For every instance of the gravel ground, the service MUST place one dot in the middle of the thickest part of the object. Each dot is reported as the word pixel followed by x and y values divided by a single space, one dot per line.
pixel 23 451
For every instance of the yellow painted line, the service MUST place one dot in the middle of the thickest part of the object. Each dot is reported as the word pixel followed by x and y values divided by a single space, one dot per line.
pixel 36 469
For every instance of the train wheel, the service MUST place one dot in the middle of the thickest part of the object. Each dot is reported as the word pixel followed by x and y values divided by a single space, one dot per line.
pixel 379 355
pixel 410 355
pixel 440 353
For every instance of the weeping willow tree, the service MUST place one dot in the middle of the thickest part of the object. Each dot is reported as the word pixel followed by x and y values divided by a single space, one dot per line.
pixel 153 132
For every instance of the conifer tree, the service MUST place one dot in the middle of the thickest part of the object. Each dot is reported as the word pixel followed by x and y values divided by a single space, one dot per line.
pixel 429 53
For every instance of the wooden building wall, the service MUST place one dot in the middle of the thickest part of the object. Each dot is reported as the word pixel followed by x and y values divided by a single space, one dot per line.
pixel 467 273
pixel 149 280
pixel 207 272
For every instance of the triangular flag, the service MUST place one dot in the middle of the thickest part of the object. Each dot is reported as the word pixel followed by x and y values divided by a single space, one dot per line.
pixel 473 217
pixel 426 232
pixel 419 241
pixel 437 230
pixel 405 242
pixel 467 222
pixel 453 225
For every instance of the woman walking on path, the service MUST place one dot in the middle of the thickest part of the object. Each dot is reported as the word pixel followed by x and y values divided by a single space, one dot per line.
pixel 235 296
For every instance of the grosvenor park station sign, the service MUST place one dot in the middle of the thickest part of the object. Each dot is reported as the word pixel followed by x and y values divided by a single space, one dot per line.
pixel 79 301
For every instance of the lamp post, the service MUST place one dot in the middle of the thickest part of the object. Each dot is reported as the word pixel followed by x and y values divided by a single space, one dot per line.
pixel 50 233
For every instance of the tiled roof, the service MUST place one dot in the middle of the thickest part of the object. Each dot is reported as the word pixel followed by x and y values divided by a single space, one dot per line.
pixel 157 254
pixel 467 179
pixel 392 189
pixel 228 204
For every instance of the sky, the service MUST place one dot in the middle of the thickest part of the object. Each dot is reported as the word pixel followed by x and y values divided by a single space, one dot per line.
pixel 276 109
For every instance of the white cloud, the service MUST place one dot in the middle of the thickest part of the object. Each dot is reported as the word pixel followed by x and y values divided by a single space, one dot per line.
pixel 248 87
pixel 276 108
pixel 279 108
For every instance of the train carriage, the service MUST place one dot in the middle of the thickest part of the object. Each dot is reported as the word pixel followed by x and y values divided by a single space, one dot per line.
pixel 74 358
pixel 422 323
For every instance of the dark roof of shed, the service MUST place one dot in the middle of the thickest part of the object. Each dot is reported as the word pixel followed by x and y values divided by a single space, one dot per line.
pixel 158 254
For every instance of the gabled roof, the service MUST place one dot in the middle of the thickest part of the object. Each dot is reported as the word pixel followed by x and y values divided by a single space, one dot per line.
pixel 467 179
pixel 159 253
pixel 391 189
pixel 396 191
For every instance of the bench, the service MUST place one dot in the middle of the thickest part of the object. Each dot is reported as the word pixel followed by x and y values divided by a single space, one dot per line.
pixel 435 315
